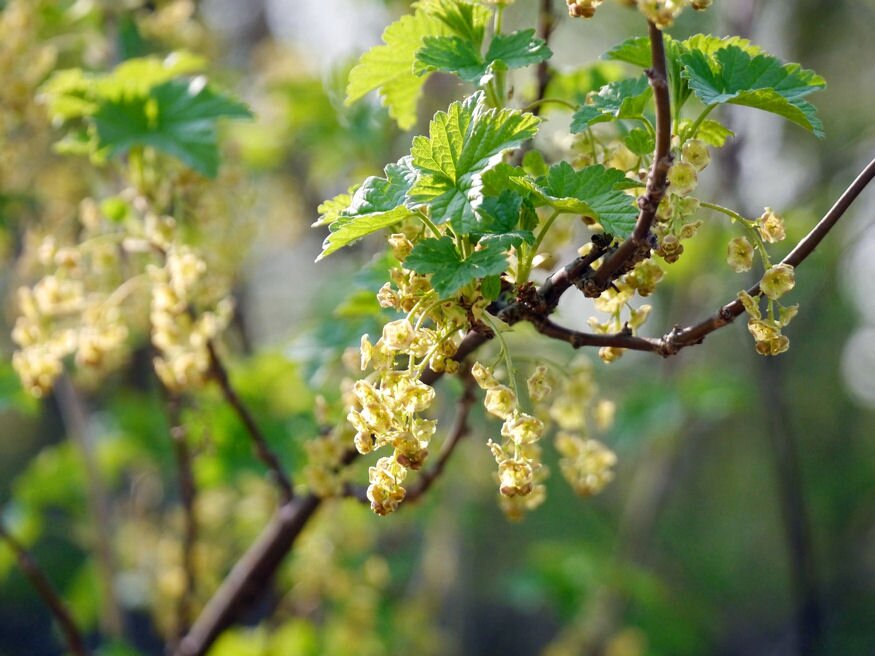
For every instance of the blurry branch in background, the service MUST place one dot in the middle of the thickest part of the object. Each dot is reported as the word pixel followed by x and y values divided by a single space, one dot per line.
pixel 187 493
pixel 546 25
pixel 259 442
pixel 76 426
pixel 808 613
pixel 46 591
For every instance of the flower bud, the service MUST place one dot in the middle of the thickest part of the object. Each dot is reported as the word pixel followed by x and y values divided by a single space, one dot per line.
pixel 778 280
pixel 500 401
pixel 739 254
pixel 682 178
pixel 771 226
pixel 696 153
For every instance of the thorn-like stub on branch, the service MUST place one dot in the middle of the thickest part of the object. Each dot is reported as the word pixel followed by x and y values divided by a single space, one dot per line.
pixel 590 287
pixel 669 345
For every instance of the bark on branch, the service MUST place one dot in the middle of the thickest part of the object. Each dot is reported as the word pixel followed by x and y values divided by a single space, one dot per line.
pixel 657 181
pixel 47 592
pixel 259 442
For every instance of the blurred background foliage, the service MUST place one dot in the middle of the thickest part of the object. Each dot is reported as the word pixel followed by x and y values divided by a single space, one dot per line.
pixel 742 519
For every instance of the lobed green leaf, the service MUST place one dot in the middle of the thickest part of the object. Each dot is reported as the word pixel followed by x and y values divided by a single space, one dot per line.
pixel 449 271
pixel 594 191
pixel 463 143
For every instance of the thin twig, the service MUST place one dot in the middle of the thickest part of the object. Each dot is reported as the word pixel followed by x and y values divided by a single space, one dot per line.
pixel 808 611
pixel 46 591
pixel 657 181
pixel 259 442
pixel 457 432
pixel 543 73
pixel 187 493
pixel 76 425
pixel 679 338
pixel 251 575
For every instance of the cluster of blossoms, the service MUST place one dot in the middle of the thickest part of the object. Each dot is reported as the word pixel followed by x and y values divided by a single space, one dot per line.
pixel 520 471
pixel 672 225
pixel 660 12
pixel 585 463
pixel 777 280
pixel 86 303
pixel 768 228
pixel 615 301
pixel 766 331
pixel 386 407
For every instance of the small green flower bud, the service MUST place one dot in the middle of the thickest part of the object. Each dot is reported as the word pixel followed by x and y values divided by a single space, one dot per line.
pixel 778 280
pixel 401 246
pixel 682 178
pixel 500 401
pixel 771 226
pixel 696 153
pixel 751 304
pixel 739 254
pixel 484 376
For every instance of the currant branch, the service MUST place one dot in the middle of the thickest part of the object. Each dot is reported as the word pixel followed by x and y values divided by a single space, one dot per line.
pixel 187 492
pixel 44 588
pixel 259 442
pixel 657 181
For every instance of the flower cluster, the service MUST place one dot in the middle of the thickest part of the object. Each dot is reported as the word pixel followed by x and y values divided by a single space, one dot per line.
pixel 387 406
pixel 766 331
pixel 88 302
pixel 520 471
pixel 585 464
pixel 615 301
pixel 180 336
pixel 663 13
pixel 583 8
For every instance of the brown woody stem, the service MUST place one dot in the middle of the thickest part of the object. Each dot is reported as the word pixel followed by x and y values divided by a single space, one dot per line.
pixel 259 442
pixel 47 592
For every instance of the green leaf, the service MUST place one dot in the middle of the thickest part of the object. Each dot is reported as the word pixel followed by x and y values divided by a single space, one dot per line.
pixel 518 49
pixel 499 216
pixel 593 191
pixel 73 93
pixel 573 86
pixel 449 272
pixel 490 287
pixel 389 67
pixel 178 117
pixel 461 57
pixel 452 55
pixel 639 141
pixel 616 100
pixel 463 143
pixel 734 76
pixel 636 51
pixel 534 163
pixel 331 209
pixel 499 178
pixel 462 18
pixel 378 203
pixel 714 133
